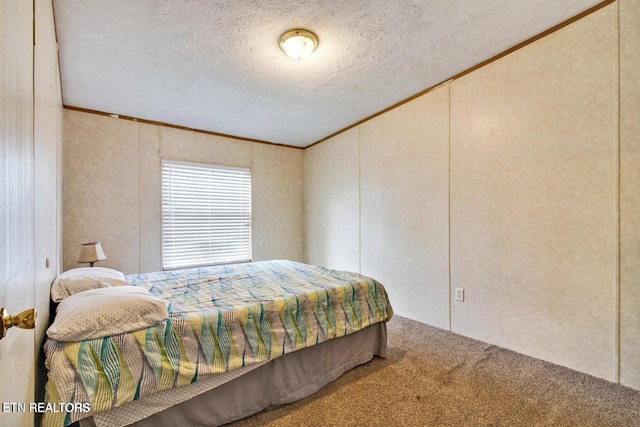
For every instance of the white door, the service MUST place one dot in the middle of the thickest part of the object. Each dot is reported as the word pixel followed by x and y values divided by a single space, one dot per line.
pixel 17 350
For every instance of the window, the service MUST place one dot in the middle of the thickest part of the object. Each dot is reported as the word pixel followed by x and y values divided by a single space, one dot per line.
pixel 206 215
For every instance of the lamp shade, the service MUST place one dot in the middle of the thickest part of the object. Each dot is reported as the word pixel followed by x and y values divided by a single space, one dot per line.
pixel 91 252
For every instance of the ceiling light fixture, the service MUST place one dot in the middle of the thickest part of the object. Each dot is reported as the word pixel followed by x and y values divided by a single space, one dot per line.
pixel 298 44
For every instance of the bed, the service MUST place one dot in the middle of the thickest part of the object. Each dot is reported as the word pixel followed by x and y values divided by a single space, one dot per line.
pixel 116 358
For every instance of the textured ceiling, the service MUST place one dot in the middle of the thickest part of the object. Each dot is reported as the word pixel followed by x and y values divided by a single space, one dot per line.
pixel 217 66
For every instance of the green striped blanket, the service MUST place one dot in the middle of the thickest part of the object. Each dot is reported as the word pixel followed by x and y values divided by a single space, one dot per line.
pixel 220 318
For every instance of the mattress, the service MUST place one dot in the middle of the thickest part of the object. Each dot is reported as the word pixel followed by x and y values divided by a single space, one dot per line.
pixel 221 319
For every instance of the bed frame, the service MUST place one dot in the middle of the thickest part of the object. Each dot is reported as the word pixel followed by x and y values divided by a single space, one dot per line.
pixel 284 380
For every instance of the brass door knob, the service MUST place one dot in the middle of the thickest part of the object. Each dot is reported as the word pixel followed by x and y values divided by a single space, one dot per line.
pixel 23 320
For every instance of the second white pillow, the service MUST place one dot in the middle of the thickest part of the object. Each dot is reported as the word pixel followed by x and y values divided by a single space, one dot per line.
pixel 108 311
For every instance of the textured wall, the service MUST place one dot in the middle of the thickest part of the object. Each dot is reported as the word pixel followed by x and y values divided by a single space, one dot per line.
pixel 101 190
pixel 404 204
pixel 534 199
pixel 630 193
pixel 331 202
pixel 277 198
pixel 112 188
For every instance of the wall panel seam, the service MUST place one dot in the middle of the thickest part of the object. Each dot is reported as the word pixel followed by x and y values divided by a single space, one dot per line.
pixel 359 199
pixel 617 192
pixel 449 205
pixel 139 200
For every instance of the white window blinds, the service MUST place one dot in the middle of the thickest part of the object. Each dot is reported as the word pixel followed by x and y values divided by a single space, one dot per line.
pixel 206 215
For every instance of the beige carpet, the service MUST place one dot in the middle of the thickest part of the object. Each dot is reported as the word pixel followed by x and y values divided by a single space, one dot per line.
pixel 436 378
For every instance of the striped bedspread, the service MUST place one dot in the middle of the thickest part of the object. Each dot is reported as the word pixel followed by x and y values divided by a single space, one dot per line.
pixel 220 318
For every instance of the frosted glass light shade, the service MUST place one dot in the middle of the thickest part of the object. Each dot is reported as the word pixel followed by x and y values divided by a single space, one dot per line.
pixel 298 44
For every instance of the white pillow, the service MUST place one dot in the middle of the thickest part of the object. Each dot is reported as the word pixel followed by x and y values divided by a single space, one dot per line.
pixel 108 311
pixel 82 279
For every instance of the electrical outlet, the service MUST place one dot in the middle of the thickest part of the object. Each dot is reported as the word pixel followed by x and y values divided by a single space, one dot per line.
pixel 459 296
